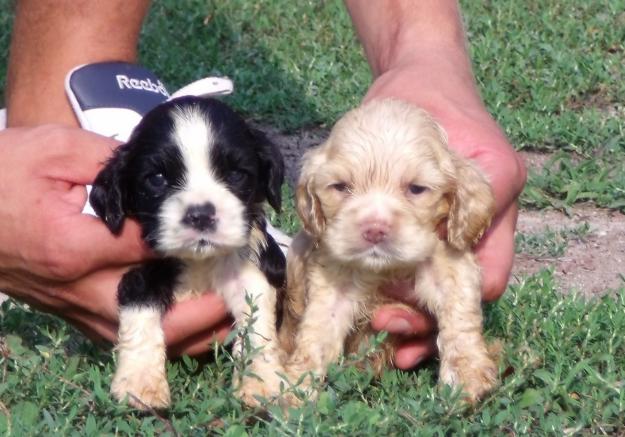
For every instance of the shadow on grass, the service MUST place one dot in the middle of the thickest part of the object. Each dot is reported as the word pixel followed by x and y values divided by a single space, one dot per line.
pixel 6 27
pixel 41 330
pixel 185 41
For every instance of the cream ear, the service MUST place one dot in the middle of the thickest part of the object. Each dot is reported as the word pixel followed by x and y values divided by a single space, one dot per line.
pixel 472 206
pixel 307 203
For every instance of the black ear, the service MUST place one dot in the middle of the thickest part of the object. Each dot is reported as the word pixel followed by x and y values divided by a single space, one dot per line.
pixel 107 196
pixel 272 168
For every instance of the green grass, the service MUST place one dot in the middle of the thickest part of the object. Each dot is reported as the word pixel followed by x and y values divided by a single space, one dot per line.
pixel 292 66
pixel 550 70
pixel 549 243
pixel 565 181
pixel 287 220
pixel 563 365
pixel 552 74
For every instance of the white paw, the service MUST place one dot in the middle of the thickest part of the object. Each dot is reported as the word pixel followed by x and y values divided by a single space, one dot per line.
pixel 303 383
pixel 143 389
pixel 251 391
pixel 265 384
pixel 476 377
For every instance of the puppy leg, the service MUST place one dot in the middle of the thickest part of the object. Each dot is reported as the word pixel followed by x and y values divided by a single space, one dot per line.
pixel 144 294
pixel 261 378
pixel 294 301
pixel 360 339
pixel 465 361
pixel 327 320
pixel 141 356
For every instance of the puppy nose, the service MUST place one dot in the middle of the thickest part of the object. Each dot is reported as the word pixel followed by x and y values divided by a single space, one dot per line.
pixel 375 232
pixel 200 217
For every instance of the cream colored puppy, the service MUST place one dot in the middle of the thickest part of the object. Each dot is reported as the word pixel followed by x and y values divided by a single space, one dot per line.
pixel 385 199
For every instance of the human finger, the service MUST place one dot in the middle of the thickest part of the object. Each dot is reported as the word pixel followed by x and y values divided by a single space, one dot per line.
pixel 90 241
pixel 95 293
pixel 505 171
pixel 495 254
pixel 193 316
pixel 95 328
pixel 402 320
pixel 78 156
pixel 202 341
pixel 413 352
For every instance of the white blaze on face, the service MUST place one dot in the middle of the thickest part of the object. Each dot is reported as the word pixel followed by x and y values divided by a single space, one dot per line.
pixel 194 135
pixel 373 209
pixel 376 206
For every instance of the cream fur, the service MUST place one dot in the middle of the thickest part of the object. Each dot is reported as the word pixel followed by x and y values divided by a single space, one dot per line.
pixel 366 178
pixel 141 343
pixel 193 133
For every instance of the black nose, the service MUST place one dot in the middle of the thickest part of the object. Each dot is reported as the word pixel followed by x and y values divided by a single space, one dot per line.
pixel 201 217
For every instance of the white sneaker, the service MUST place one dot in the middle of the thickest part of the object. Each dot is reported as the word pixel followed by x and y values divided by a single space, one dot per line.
pixel 283 240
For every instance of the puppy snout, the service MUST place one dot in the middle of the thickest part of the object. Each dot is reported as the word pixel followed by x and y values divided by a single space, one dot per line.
pixel 201 217
pixel 375 232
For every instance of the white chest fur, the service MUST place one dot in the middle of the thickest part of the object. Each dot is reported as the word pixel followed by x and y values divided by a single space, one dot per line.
pixel 218 275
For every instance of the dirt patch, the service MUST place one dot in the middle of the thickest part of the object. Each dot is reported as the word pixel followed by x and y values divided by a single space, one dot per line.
pixel 592 263
pixel 535 160
pixel 293 146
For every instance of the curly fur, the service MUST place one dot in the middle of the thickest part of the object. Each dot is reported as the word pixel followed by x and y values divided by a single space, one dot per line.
pixel 373 200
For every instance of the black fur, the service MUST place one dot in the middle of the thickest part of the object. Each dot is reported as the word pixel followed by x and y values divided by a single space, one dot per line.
pixel 253 169
pixel 247 162
pixel 273 263
pixel 150 167
pixel 151 284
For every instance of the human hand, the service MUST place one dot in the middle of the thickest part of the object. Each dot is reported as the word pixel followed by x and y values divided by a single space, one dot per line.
pixel 417 53
pixel 62 261
pixel 449 94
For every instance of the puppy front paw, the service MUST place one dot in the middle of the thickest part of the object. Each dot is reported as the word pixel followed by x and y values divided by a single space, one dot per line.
pixel 302 386
pixel 264 383
pixel 476 377
pixel 143 389
pixel 251 391
pixel 298 396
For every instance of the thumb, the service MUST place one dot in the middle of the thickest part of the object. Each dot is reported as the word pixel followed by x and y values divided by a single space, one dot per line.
pixel 91 242
pixel 495 254
pixel 80 157
pixel 402 320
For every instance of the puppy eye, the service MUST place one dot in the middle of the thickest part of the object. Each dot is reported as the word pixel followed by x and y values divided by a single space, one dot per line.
pixel 340 187
pixel 156 181
pixel 416 189
pixel 236 176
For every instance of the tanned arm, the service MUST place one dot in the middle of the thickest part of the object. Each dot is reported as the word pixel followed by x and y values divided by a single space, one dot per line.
pixel 50 37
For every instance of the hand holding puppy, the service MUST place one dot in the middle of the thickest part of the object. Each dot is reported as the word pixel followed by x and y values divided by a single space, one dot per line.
pixel 424 61
pixel 473 134
pixel 57 259
pixel 373 200
pixel 47 245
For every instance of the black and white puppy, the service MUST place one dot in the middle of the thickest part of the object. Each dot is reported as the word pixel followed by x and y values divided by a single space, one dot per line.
pixel 195 176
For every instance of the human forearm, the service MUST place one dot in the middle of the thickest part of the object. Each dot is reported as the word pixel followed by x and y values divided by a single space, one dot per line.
pixel 396 32
pixel 50 37
pixel 418 53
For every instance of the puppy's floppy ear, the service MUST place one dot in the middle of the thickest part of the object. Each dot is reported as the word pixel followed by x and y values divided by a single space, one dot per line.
pixel 272 171
pixel 107 195
pixel 471 205
pixel 307 203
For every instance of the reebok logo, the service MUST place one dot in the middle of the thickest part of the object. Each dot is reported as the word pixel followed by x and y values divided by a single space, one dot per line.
pixel 124 81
